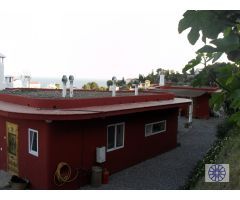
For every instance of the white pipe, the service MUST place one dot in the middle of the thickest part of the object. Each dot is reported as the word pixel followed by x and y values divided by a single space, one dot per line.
pixel 190 112
pixel 64 82
pixel 64 90
pixel 2 85
pixel 71 89
pixel 136 89
pixel 71 78
pixel 162 80
pixel 114 89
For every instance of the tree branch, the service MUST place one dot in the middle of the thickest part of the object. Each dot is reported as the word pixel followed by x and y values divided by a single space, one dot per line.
pixel 217 82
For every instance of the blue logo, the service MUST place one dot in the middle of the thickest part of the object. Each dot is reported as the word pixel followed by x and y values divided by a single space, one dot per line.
pixel 216 172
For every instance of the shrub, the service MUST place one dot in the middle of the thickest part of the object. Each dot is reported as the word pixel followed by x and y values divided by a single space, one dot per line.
pixel 224 128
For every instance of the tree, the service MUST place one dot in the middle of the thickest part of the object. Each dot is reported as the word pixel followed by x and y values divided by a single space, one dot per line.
pixel 109 83
pixel 121 83
pixel 220 31
pixel 90 86
pixel 141 78
pixel 86 87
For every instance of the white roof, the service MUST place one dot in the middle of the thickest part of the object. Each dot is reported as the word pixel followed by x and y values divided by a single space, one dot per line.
pixel 2 56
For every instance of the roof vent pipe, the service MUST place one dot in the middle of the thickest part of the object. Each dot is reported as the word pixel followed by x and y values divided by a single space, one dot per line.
pixel 71 78
pixel 114 80
pixel 161 79
pixel 136 87
pixel 2 85
pixel 64 87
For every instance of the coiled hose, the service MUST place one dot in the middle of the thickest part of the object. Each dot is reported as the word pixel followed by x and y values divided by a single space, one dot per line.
pixel 63 174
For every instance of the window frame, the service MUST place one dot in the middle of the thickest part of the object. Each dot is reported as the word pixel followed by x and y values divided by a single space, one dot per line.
pixel 30 151
pixel 115 136
pixel 157 132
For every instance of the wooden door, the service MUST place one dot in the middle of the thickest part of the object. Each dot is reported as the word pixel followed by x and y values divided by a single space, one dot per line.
pixel 12 148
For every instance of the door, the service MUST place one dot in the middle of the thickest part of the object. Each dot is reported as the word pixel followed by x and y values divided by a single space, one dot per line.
pixel 12 148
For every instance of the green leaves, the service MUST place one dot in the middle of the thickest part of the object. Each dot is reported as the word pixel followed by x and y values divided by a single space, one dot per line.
pixel 227 44
pixel 235 118
pixel 205 21
pixel 210 23
pixel 207 49
pixel 217 100
pixel 186 22
pixel 193 36
pixel 192 63
pixel 220 31
pixel 216 56
pixel 235 96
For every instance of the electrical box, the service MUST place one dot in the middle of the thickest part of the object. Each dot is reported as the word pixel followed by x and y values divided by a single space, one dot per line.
pixel 100 154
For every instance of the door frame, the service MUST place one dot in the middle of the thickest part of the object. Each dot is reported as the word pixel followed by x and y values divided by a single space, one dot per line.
pixel 12 159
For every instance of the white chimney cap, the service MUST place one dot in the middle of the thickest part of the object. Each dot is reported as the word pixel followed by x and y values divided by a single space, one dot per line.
pixel 2 56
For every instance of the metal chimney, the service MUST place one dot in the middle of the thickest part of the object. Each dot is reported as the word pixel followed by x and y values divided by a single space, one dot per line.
pixel 71 78
pixel 161 79
pixel 136 83
pixel 64 86
pixel 114 80
pixel 2 85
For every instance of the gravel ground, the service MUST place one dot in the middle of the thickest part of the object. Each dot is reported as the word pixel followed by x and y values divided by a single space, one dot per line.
pixel 169 170
pixel 4 179
pixel 166 171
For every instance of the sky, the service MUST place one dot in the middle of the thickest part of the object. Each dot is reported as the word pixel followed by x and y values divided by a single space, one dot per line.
pixel 92 39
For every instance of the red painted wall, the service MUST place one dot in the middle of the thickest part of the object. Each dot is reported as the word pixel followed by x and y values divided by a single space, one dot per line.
pixel 75 142
pixel 201 107
pixel 30 167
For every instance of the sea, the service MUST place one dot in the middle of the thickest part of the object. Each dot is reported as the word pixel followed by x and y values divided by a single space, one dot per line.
pixel 77 83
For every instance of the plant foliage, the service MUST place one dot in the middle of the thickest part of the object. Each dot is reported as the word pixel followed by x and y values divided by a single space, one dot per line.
pixel 220 33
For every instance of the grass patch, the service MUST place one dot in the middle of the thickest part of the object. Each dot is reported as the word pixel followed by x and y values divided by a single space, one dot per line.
pixel 223 151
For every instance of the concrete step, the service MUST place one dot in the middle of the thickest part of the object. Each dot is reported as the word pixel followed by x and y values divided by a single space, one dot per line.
pixel 4 179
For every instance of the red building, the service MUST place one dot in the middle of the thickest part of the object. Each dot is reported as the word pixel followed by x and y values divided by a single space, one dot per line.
pixel 200 97
pixel 39 133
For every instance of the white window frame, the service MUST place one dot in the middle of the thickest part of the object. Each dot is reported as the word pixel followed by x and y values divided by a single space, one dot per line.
pixel 115 136
pixel 154 133
pixel 30 151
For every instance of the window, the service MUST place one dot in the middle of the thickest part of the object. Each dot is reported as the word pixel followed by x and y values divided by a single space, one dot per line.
pixel 155 128
pixel 33 142
pixel 115 136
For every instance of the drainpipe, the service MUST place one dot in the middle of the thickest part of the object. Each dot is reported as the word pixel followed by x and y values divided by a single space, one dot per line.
pixel 190 112
pixel 64 89
pixel 114 79
pixel 71 78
